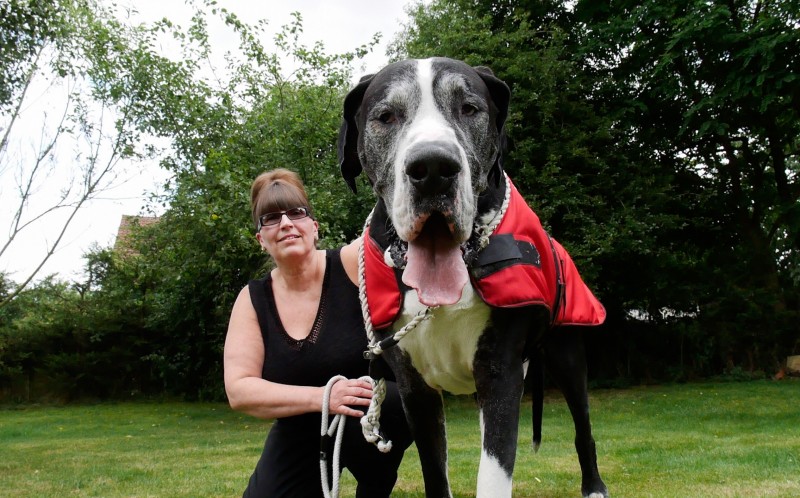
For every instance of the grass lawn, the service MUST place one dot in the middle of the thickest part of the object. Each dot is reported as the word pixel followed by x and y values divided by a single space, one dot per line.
pixel 693 440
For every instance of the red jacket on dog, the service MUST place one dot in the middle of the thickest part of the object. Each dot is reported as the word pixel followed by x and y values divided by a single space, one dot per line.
pixel 521 266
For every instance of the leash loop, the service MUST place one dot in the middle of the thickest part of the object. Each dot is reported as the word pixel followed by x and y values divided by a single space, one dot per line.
pixel 336 425
pixel 326 432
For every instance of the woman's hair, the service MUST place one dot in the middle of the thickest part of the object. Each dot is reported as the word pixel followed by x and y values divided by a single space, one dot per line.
pixel 277 190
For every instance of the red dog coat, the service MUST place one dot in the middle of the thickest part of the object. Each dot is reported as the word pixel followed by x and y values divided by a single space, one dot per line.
pixel 521 266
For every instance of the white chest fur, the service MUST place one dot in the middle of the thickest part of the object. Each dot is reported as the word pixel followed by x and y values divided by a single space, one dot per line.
pixel 442 348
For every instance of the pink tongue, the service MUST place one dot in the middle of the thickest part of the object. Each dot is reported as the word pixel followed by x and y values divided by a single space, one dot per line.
pixel 435 267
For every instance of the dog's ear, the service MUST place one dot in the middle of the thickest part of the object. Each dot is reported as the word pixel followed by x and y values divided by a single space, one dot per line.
pixel 349 163
pixel 501 96
pixel 500 93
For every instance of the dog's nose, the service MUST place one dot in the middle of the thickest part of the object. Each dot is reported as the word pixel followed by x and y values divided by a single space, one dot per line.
pixel 432 167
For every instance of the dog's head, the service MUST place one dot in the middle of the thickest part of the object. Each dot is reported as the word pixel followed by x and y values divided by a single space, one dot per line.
pixel 428 134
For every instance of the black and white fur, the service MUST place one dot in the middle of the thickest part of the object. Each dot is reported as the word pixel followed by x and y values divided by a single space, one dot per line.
pixel 428 134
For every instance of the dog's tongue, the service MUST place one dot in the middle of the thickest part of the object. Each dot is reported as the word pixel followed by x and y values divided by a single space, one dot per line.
pixel 435 267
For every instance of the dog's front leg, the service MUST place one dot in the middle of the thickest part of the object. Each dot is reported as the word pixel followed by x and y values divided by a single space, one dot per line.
pixel 499 383
pixel 425 413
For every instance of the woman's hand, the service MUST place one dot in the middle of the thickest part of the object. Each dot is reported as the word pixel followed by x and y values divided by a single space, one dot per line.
pixel 350 393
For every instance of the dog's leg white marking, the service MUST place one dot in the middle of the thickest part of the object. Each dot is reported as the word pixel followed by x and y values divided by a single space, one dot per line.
pixel 493 481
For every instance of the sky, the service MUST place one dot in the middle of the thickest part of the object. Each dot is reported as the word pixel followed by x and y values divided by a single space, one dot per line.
pixel 341 25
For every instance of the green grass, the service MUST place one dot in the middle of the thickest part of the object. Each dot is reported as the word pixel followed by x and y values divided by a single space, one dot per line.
pixel 694 440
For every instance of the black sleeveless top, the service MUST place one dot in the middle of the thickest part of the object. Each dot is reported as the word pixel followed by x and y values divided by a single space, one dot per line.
pixel 337 340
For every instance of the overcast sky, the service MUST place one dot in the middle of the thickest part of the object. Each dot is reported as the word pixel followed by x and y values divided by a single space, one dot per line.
pixel 341 25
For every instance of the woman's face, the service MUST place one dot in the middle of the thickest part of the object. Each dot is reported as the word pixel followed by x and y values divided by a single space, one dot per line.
pixel 288 238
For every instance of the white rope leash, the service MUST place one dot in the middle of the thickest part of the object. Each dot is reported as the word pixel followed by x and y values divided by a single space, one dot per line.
pixel 327 429
pixel 370 422
pixel 337 425
pixel 485 231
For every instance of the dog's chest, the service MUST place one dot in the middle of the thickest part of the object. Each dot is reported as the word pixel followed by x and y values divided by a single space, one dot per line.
pixel 442 348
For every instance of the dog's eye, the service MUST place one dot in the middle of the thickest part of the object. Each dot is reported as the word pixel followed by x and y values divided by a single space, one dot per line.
pixel 387 117
pixel 468 110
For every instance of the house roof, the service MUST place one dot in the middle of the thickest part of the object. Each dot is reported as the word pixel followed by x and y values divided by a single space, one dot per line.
pixel 123 241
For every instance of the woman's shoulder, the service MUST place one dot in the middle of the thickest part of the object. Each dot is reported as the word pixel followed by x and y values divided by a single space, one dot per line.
pixel 257 287
pixel 349 256
pixel 243 300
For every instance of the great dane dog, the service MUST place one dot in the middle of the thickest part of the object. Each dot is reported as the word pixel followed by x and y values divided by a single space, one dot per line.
pixel 429 134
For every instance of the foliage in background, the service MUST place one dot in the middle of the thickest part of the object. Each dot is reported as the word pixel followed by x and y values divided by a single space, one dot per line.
pixel 711 91
pixel 24 27
pixel 77 91
pixel 656 140
pixel 163 306
pixel 203 251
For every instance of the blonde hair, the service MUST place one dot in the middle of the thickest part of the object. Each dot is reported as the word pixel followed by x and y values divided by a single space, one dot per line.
pixel 277 190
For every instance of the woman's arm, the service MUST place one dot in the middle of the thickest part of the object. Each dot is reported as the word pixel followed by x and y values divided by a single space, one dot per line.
pixel 249 393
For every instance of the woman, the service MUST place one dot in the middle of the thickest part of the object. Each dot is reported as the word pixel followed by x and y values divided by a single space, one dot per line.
pixel 292 331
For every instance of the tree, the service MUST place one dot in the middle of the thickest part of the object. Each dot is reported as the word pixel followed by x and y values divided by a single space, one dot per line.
pixel 180 283
pixel 657 140
pixel 105 75
pixel 162 309
pixel 711 89
pixel 24 27
pixel 203 251
pixel 564 151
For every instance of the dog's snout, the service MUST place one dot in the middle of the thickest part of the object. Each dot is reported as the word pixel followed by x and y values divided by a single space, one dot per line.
pixel 433 167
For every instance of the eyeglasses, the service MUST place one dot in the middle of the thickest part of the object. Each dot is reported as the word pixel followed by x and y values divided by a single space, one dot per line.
pixel 275 217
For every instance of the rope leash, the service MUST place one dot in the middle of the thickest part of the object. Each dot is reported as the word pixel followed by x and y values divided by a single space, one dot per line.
pixel 327 431
pixel 485 231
